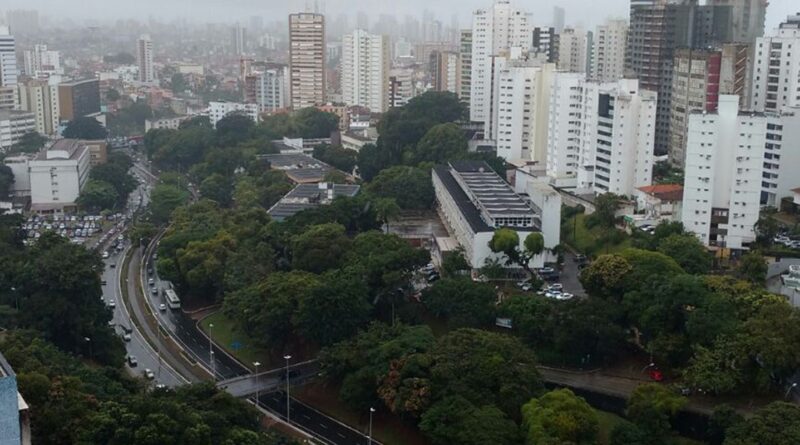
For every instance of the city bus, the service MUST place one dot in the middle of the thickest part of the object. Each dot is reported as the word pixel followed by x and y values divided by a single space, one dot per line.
pixel 172 299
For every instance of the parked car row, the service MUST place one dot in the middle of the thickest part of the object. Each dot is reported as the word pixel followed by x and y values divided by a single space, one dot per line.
pixel 787 241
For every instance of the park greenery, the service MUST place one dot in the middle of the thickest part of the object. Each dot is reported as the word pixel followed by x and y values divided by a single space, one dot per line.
pixel 109 184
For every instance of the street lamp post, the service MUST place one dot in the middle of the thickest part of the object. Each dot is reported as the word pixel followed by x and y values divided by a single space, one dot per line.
pixel 369 436
pixel 287 357
pixel 257 364
pixel 89 342
pixel 789 391
pixel 211 352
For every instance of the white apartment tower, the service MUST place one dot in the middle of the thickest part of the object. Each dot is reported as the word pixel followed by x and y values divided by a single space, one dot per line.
pixel 776 68
pixel 493 30
pixel 522 96
pixel 41 63
pixel 608 56
pixel 272 89
pixel 8 58
pixel 737 162
pixel 601 135
pixel 306 60
pixel 144 59
pixel 365 70
pixel 572 50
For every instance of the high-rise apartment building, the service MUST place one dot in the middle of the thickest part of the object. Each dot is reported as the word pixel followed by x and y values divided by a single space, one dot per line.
pixel 465 54
pixel 558 18
pixel 41 63
pixel 144 59
pixel 737 162
pixel 608 54
pixel 78 98
pixel 545 42
pixel 520 111
pixel 40 97
pixel 776 68
pixel 13 125
pixel 657 28
pixel 268 87
pixel 747 18
pixel 239 39
pixel 698 79
pixel 572 50
pixel 494 30
pixel 306 60
pixel 365 70
pixel 600 135
pixel 402 86
pixel 8 58
pixel 445 71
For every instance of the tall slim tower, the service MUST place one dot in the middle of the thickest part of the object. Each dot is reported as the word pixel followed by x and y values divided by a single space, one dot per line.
pixel 306 59
pixel 558 19
pixel 144 58
pixel 494 30
pixel 8 58
pixel 747 18
pixel 608 56
pixel 365 70
pixel 776 68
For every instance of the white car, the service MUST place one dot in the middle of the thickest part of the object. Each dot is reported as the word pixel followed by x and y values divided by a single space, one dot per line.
pixel 148 374
pixel 112 304
pixel 555 286
pixel 162 307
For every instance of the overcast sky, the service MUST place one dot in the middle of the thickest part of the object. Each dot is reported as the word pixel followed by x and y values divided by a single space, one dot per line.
pixel 578 12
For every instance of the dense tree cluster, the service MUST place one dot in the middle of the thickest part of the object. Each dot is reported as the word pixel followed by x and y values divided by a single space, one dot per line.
pixel 109 184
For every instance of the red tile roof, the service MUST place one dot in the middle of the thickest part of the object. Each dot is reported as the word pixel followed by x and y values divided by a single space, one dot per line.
pixel 664 192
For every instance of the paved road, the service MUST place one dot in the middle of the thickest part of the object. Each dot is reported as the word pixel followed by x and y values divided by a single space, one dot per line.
pixel 269 381
pixel 312 421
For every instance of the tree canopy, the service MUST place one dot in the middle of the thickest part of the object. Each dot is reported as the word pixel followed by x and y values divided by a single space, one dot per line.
pixel 85 128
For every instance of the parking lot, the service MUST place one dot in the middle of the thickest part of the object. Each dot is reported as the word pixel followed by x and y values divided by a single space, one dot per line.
pixel 80 229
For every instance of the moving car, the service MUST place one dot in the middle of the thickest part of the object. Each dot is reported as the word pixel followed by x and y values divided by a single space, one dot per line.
pixel 112 304
pixel 162 307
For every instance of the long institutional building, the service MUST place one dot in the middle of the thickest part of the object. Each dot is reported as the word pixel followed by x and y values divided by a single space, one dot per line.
pixel 474 201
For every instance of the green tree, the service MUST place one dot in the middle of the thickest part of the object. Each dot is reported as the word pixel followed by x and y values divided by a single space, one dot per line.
pixel 217 188
pixel 115 172
pixel 387 210
pixel 411 187
pixel 341 158
pixel 178 83
pixel 753 268
pixel 723 418
pixel 85 128
pixel 202 265
pixel 233 129
pixel 559 417
pixel 506 241
pixel 320 248
pixel 441 143
pixel 457 420
pixel 778 423
pixel 313 123
pixel 335 310
pixel 112 95
pixel 164 200
pixel 766 227
pixel 98 195
pixel 373 159
pixel 462 302
pixel 606 206
pixel 454 263
pixel 652 406
pixel 485 368
pixel 142 232
pixel 646 265
pixel 6 181
pixel 606 277
pixel 30 142
pixel 688 252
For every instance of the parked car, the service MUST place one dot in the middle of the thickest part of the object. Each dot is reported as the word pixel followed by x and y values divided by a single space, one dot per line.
pixel 126 337
pixel 555 286
pixel 112 304
pixel 148 374
pixel 132 362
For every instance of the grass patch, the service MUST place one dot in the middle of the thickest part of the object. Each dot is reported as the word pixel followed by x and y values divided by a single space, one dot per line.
pixel 608 421
pixel 386 427
pixel 227 335
pixel 590 241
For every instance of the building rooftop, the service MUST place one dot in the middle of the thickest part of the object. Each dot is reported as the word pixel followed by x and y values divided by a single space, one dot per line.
pixel 73 83
pixel 664 192
pixel 465 205
pixel 300 168
pixel 5 368
pixel 488 190
pixel 307 196
pixel 62 149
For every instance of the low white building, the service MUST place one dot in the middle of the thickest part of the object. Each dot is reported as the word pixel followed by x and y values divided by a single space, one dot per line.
pixel 21 186
pixel 218 110
pixel 58 174
pixel 474 202
pixel 737 162
pixel 13 125
pixel 171 123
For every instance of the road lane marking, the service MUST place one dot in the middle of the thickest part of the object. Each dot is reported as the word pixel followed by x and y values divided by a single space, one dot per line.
pixel 323 425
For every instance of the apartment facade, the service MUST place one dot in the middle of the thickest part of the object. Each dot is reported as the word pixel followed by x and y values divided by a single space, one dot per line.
pixel 8 58
pixel 698 79
pixel 365 70
pixel 445 71
pixel 572 49
pixel 269 88
pixel 41 63
pixel 144 59
pixel 493 30
pixel 218 110
pixel 545 42
pixel 40 97
pixel 776 68
pixel 13 125
pixel 737 162
pixel 608 55
pixel 522 95
pixel 465 56
pixel 306 60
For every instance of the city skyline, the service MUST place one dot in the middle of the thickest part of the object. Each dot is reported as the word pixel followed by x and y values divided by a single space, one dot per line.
pixel 578 13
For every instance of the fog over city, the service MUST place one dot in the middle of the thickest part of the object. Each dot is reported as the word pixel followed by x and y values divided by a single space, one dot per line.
pixel 578 12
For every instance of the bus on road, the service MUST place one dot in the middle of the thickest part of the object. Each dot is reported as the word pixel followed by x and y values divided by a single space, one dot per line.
pixel 172 299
